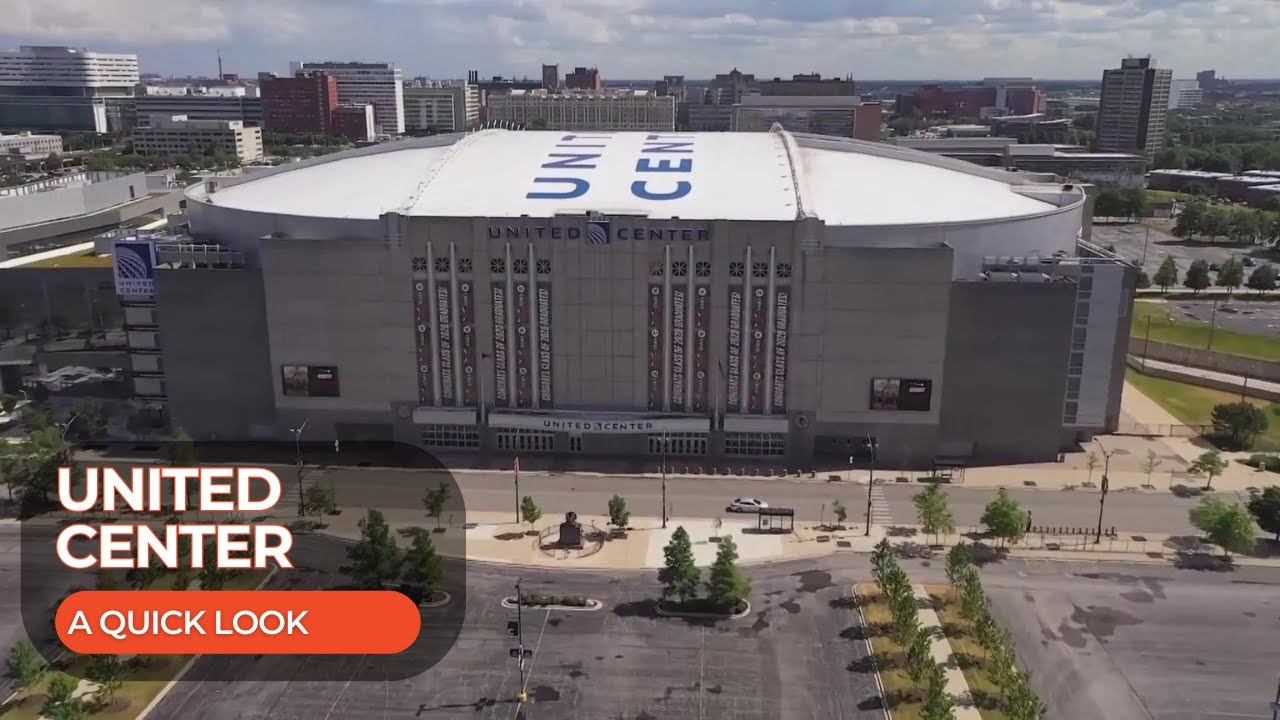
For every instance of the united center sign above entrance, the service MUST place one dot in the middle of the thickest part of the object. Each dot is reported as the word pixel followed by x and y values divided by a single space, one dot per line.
pixel 612 425
pixel 597 232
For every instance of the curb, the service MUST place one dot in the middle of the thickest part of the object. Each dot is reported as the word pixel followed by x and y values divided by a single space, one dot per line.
pixel 593 605
pixel 438 603
pixel 871 656
pixel 657 608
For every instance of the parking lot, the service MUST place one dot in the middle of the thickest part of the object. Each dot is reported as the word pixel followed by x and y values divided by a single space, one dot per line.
pixel 790 658
pixel 1131 241
pixel 1105 640
pixel 1240 315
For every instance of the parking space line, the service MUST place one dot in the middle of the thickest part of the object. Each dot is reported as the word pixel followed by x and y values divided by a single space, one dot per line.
pixel 346 685
pixel 532 659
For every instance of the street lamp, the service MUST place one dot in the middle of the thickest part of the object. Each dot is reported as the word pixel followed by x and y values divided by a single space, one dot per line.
pixel 664 479
pixel 871 480
pixel 64 427
pixel 297 452
pixel 1106 486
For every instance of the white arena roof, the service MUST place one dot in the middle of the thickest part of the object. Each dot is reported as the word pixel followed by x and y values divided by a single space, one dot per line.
pixel 691 176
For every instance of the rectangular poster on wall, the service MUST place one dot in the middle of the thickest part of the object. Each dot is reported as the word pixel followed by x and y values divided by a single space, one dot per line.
pixel 759 329
pixel 733 371
pixel 656 326
pixel 781 324
pixel 678 371
pixel 422 341
pixel 467 340
pixel 546 388
pixel 524 380
pixel 701 349
pixel 501 394
pixel 444 330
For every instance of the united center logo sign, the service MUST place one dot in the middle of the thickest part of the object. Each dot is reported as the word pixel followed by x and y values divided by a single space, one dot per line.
pixel 134 268
pixel 598 232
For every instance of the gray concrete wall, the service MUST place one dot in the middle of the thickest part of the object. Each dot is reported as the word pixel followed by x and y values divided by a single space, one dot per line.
pixel 1194 379
pixel 71 201
pixel 102 219
pixel 213 340
pixel 1205 359
pixel 1007 345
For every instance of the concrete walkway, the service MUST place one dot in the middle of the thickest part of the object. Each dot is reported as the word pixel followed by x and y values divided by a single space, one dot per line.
pixel 1226 382
pixel 957 686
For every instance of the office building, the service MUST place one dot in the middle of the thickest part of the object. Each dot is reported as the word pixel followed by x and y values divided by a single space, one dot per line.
pixel 585 110
pixel 821 115
pixel 1032 129
pixel 441 109
pixel 551 77
pixel 1071 162
pixel 300 104
pixel 1133 107
pixel 355 122
pixel 25 143
pixel 55 88
pixel 200 103
pixel 805 85
pixel 728 88
pixel 1207 79
pixel 707 117
pixel 1198 182
pixel 868 118
pixel 672 85
pixel 179 135
pixel 583 78
pixel 766 295
pixel 360 83
pixel 994 97
pixel 1185 95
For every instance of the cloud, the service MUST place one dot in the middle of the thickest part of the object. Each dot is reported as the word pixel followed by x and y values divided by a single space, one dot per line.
pixel 648 38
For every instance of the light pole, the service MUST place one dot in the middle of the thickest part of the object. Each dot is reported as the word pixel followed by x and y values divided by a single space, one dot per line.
pixel 1213 323
pixel 520 696
pixel 871 481
pixel 297 454
pixel 515 470
pixel 66 426
pixel 1106 487
pixel 664 479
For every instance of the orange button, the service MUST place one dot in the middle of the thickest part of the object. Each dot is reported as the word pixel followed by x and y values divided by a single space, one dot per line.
pixel 238 622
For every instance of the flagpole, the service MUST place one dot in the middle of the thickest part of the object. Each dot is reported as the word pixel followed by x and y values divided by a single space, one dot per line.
pixel 516 471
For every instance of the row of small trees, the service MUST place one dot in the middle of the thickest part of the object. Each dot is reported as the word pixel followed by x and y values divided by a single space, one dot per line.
pixel 727 587
pixel 26 668
pixel 1198 218
pixel 1230 275
pixel 376 559
pixel 1017 698
pixel 926 673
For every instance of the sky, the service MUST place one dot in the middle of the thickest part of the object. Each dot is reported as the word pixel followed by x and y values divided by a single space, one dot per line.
pixel 636 39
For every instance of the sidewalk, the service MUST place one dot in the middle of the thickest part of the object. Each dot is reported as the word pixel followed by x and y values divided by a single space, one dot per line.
pixel 1226 382
pixel 940 650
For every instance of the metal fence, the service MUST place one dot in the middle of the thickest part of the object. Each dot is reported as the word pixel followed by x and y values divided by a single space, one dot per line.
pixel 1140 429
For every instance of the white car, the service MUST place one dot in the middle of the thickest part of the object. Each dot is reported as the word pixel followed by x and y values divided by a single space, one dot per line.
pixel 747 505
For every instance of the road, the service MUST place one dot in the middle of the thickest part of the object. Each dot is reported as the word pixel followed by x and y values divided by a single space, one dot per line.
pixel 1129 242
pixel 1154 512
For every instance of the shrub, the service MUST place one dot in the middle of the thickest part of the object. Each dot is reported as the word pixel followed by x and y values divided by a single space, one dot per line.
pixel 1264 461
pixel 538 599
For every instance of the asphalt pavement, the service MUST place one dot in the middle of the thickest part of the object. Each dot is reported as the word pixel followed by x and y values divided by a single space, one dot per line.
pixel 1133 241
pixel 1260 317
pixel 10 622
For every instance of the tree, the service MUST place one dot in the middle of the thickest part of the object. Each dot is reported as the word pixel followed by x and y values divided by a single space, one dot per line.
pixel 434 502
pixel 1091 462
pixel 840 512
pixel 320 500
pixel 1024 704
pixel 140 578
pixel 1004 517
pixel 1263 278
pixel 529 511
pixel 1230 275
pixel 1239 422
pixel 182 578
pixel 1216 222
pixel 36 416
pixel 882 560
pixel 1166 274
pixel 1209 464
pixel 108 672
pixel 375 559
pixel 88 419
pixel 1243 226
pixel 973 601
pixel 1150 464
pixel 959 559
pixel 25 666
pixel 905 615
pixel 59 702
pixel 727 586
pixel 213 577
pixel 619 515
pixel 1197 277
pixel 1190 221
pixel 919 657
pixel 988 633
pixel 1004 669
pixel 932 511
pixel 679 575
pixel 1265 508
pixel 938 704
pixel 423 566
pixel 1230 527
pixel 1143 281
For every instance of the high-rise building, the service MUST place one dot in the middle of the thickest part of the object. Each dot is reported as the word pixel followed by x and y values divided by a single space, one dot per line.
pixel 1207 79
pixel 551 77
pixel 672 85
pixel 66 88
pixel 1185 95
pixel 302 104
pixel 807 85
pixel 377 84
pixel 598 110
pixel 200 103
pixel 818 114
pixel 1133 107
pixel 728 88
pixel 583 78
pixel 442 108
pixel 354 121
pixel 178 135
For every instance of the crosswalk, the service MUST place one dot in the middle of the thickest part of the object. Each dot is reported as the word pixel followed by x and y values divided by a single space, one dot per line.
pixel 880 512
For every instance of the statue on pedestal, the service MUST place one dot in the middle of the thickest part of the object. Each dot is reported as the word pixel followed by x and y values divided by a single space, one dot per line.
pixel 571 531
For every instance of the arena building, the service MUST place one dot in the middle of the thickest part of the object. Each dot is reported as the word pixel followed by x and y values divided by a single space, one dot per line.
pixel 729 295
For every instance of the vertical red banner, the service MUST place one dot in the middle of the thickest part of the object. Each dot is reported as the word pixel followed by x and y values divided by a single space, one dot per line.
pixel 733 373
pixel 524 383
pixel 701 349
pixel 759 329
pixel 444 327
pixel 781 325
pixel 679 375
pixel 546 384
pixel 467 340
pixel 422 341
pixel 656 325
pixel 501 355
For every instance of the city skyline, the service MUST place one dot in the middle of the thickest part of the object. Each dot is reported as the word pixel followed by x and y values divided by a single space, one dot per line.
pixel 645 39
